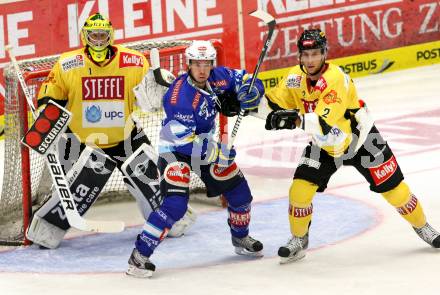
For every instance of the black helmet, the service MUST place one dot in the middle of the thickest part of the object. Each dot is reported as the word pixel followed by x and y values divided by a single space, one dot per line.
pixel 312 39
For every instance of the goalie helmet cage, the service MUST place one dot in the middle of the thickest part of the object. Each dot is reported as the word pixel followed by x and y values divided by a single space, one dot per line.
pixel 25 182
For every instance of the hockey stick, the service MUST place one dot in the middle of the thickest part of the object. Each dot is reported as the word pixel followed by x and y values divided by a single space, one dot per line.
pixel 155 66
pixel 270 22
pixel 59 178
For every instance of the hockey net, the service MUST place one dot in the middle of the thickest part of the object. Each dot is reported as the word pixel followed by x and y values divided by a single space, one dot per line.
pixel 26 181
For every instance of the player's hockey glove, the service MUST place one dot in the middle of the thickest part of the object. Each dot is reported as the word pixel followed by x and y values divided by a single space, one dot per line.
pixel 229 105
pixel 217 152
pixel 281 119
pixel 250 101
pixel 225 156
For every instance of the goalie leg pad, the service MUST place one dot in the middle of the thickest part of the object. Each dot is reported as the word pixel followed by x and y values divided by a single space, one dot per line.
pixel 44 233
pixel 87 178
pixel 142 179
pixel 183 224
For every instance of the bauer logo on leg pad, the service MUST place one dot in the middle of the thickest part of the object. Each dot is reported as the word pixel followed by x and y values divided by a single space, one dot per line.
pixel 178 174
pixel 85 182
pixel 47 128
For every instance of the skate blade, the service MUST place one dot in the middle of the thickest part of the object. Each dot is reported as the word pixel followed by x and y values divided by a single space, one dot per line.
pixel 138 273
pixel 298 256
pixel 243 251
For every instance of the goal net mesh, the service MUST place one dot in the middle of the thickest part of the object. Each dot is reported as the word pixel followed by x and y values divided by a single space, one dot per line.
pixel 26 182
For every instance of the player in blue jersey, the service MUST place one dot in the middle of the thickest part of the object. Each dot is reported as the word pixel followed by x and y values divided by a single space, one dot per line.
pixel 187 143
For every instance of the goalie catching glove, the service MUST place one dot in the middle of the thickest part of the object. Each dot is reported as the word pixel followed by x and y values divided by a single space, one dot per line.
pixel 282 119
pixel 149 93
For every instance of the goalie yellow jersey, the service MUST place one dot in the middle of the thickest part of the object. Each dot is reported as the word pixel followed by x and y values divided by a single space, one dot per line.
pixel 100 97
pixel 333 94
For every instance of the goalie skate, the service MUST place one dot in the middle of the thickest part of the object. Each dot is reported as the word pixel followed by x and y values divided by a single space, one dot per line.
pixel 140 266
pixel 429 235
pixel 247 246
pixel 294 250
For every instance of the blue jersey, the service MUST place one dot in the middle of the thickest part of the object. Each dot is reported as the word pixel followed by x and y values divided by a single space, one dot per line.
pixel 191 112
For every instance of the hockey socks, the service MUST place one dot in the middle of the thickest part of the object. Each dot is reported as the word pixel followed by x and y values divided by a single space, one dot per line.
pixel 239 209
pixel 159 223
pixel 406 204
pixel 300 206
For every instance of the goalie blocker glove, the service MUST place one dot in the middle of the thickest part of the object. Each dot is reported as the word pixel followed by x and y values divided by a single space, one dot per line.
pixel 48 127
pixel 282 119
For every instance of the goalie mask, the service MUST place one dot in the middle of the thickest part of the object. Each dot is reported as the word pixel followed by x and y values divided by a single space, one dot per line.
pixel 97 35
pixel 200 50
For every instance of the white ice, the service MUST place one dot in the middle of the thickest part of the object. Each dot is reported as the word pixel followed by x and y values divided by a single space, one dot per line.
pixel 388 258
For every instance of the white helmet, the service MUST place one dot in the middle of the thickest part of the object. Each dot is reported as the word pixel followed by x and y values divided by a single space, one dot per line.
pixel 200 50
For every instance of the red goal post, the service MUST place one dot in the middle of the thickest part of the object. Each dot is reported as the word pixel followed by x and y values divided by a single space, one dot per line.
pixel 25 183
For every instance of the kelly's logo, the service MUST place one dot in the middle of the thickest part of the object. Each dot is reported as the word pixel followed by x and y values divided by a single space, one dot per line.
pixel 384 171
pixel 130 60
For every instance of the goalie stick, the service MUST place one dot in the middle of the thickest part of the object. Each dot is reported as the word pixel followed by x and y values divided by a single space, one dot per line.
pixel 155 66
pixel 270 22
pixel 59 178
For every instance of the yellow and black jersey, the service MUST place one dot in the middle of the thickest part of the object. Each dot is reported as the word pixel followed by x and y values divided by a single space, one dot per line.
pixel 100 97
pixel 323 105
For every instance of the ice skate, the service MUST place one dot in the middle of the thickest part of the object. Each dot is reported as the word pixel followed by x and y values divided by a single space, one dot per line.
pixel 247 246
pixel 139 265
pixel 294 250
pixel 429 235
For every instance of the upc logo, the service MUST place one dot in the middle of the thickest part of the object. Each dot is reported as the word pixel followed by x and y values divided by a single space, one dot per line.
pixel 93 114
pixel 113 114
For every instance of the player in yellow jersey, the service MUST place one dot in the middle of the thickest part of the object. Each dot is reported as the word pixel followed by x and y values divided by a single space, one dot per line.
pixel 95 83
pixel 321 99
